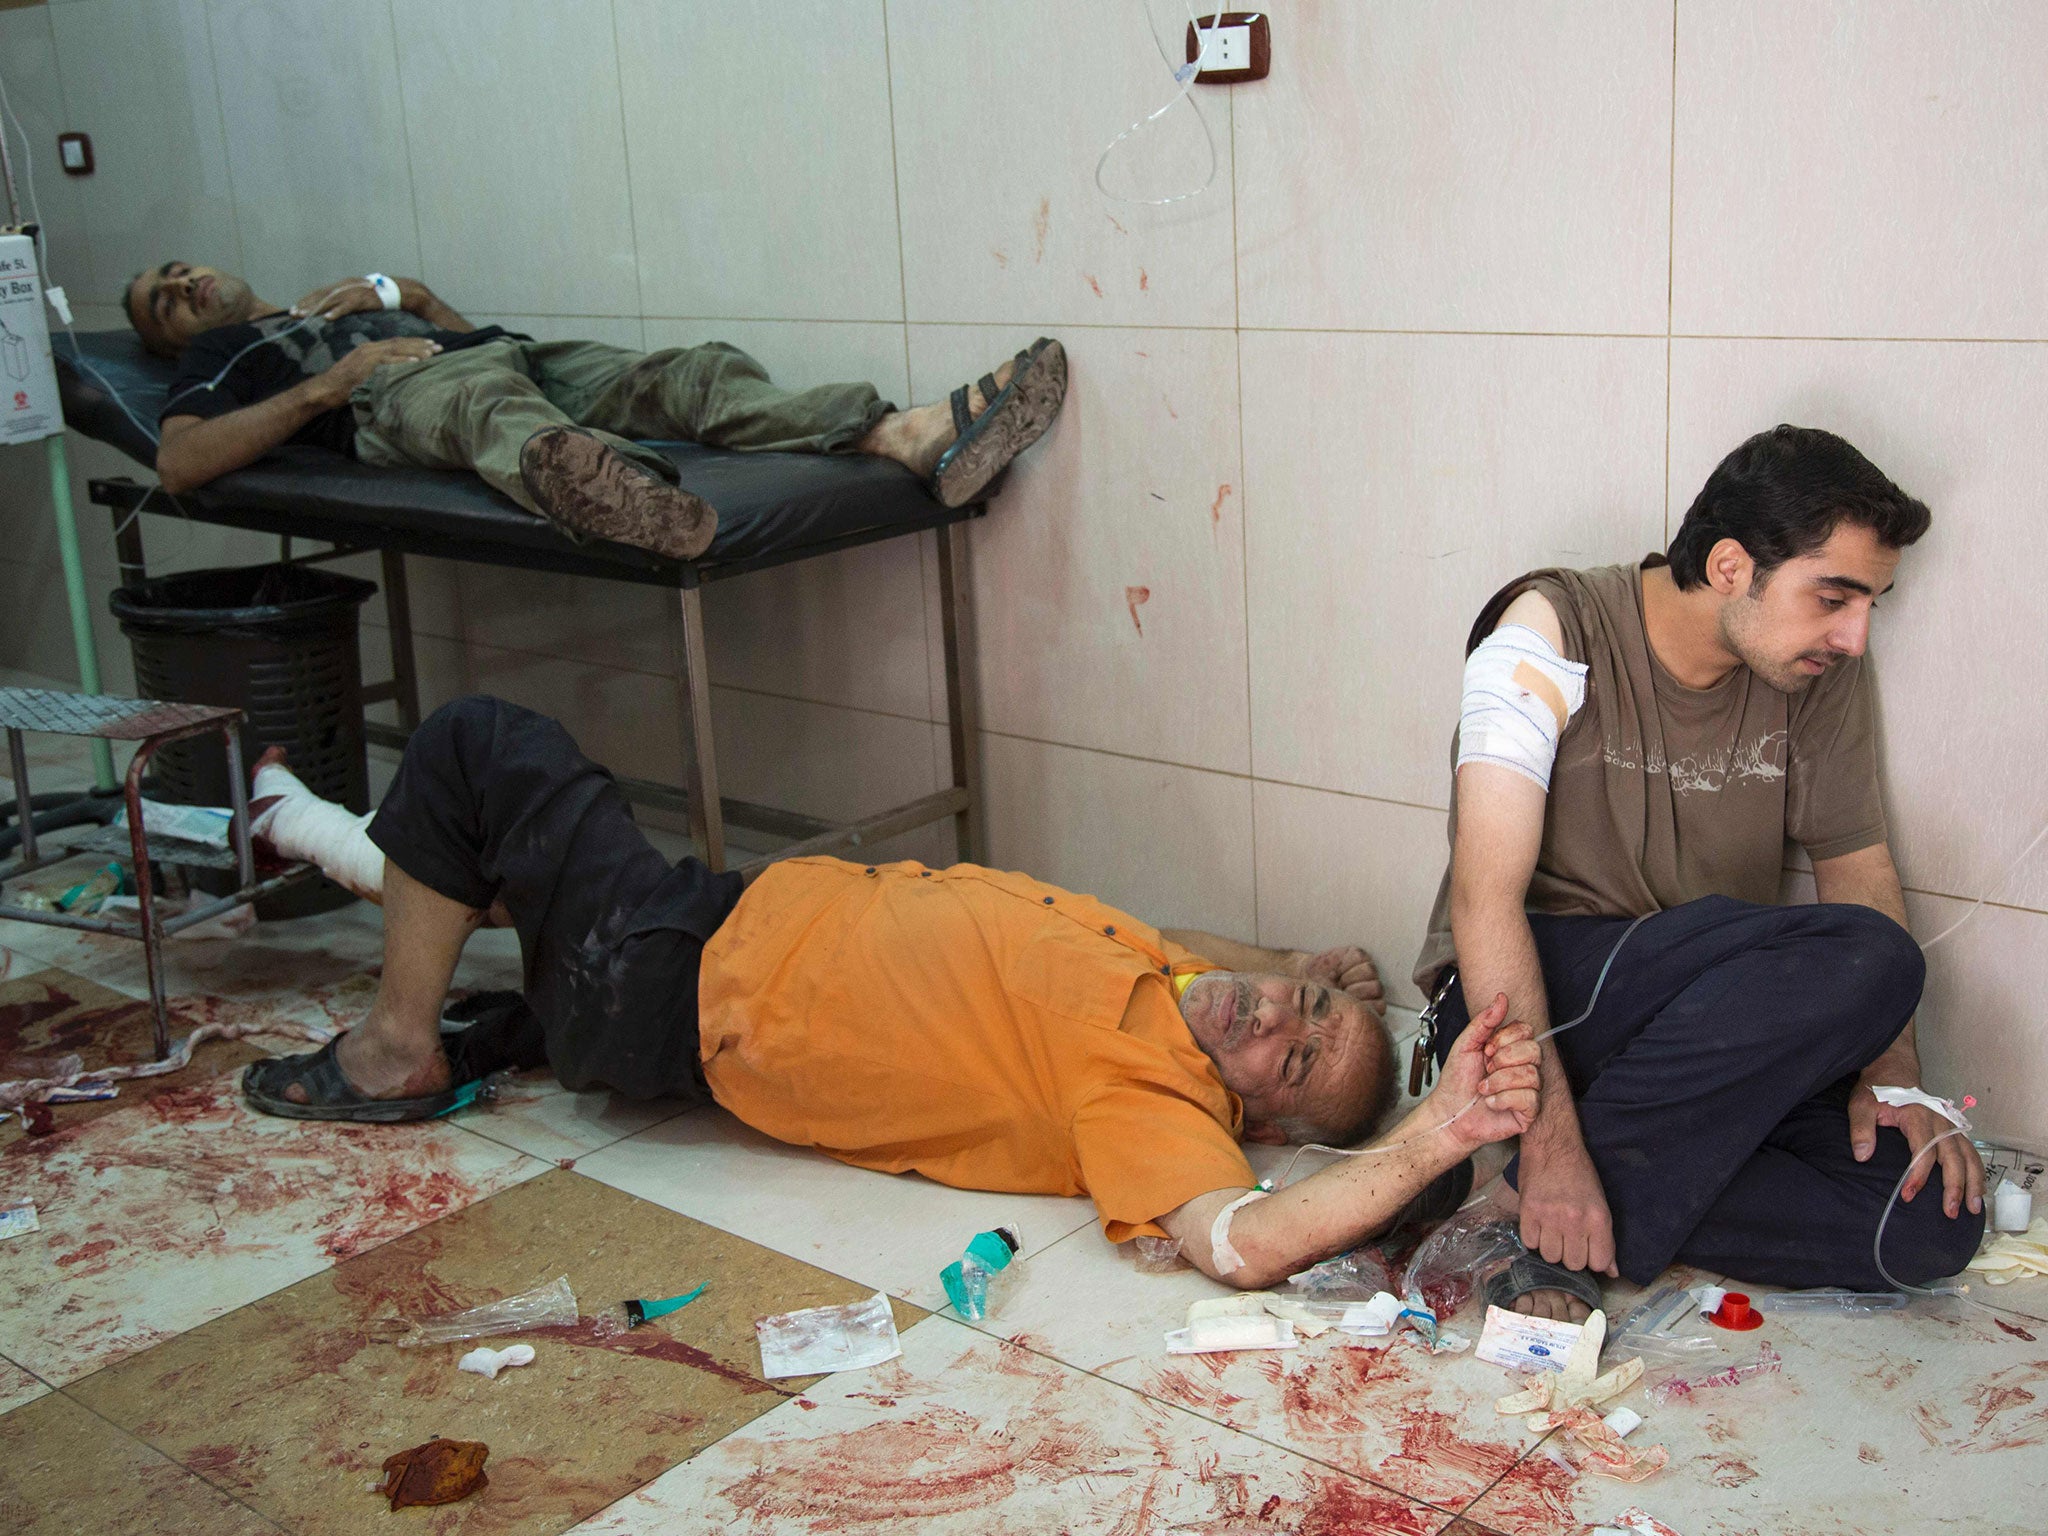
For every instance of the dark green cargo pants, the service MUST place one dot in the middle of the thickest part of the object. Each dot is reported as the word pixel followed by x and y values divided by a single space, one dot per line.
pixel 474 408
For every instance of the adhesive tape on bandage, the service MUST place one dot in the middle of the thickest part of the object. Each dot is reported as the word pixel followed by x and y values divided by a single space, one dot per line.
pixel 387 289
pixel 1899 1097
pixel 1227 1258
pixel 1519 696
pixel 303 826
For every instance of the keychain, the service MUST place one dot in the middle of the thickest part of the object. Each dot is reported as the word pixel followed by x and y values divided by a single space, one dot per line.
pixel 1422 1059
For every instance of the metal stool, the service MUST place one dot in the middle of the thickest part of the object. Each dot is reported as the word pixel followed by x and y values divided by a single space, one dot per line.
pixel 153 724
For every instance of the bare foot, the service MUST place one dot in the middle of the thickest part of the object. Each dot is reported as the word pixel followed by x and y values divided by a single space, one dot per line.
pixel 375 1071
pixel 1559 1306
pixel 917 438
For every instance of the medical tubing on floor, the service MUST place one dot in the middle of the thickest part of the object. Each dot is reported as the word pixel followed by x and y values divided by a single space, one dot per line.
pixel 1593 1002
pixel 1959 1292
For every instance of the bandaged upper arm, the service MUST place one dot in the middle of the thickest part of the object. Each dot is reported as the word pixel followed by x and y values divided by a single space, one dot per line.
pixel 1520 694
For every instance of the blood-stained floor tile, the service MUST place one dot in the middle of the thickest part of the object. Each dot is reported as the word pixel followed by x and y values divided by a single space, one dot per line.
pixel 1885 1425
pixel 893 1231
pixel 63 1471
pixel 292 1403
pixel 536 1114
pixel 319 970
pixel 175 1202
pixel 18 1386
pixel 970 1434
pixel 49 1016
pixel 1419 1423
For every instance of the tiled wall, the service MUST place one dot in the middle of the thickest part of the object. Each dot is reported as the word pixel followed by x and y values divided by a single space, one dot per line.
pixel 1480 285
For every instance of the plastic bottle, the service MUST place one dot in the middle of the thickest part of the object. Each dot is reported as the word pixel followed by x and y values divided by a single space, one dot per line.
pixel 967 1279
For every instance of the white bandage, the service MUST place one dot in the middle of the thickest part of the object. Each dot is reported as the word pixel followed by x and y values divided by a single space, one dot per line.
pixel 1519 696
pixel 1227 1258
pixel 386 288
pixel 303 826
pixel 1898 1098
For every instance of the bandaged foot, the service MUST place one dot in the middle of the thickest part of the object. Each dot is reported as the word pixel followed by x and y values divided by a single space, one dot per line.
pixel 300 825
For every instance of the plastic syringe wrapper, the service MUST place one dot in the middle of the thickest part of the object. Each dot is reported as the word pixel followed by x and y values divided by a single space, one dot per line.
pixel 549 1306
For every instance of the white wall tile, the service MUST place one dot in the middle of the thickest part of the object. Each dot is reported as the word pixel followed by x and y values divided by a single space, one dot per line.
pixel 841 629
pixel 839 764
pixel 518 156
pixel 1458 166
pixel 1108 575
pixel 1981 1026
pixel 28 67
pixel 1850 169
pixel 1001 113
pixel 1956 424
pixel 315 140
pixel 763 179
pixel 139 77
pixel 847 628
pixel 1393 483
pixel 1335 869
pixel 576 618
pixel 1169 845
pixel 623 719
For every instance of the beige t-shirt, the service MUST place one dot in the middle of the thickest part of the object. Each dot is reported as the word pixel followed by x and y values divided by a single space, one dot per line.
pixel 1662 794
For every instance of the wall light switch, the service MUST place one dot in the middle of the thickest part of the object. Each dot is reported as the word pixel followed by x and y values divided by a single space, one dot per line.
pixel 1240 47
pixel 74 153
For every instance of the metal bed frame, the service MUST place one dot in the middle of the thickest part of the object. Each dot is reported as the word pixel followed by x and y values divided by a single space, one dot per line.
pixel 708 811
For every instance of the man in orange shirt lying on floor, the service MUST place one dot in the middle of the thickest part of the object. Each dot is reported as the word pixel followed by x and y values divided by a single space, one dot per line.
pixel 980 1028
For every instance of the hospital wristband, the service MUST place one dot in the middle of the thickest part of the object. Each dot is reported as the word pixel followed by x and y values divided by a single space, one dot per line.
pixel 386 289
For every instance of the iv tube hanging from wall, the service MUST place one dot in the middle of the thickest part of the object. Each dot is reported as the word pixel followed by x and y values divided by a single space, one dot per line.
pixel 1185 74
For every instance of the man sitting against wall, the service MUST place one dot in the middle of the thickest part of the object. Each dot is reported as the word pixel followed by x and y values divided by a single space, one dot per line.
pixel 984 1029
pixel 380 368
pixel 1639 743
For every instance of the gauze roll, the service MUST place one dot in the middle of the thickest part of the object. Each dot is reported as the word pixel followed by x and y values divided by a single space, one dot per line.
pixel 1519 696
pixel 303 826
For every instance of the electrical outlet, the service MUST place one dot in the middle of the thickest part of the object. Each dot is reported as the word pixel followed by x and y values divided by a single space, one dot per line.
pixel 1224 49
pixel 1239 47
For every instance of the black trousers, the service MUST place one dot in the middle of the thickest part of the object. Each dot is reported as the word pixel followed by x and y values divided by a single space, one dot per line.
pixel 1712 1084
pixel 496 802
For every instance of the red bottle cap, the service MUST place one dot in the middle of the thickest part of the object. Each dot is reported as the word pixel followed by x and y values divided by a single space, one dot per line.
pixel 1735 1313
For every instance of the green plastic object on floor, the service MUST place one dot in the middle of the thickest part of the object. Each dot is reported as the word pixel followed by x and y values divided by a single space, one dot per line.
pixel 638 1312
pixel 966 1279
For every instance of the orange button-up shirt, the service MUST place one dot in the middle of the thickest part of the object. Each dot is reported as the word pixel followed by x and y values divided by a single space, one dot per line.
pixel 984 1029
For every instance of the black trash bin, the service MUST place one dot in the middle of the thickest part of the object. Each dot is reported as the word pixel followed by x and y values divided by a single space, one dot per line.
pixel 279 643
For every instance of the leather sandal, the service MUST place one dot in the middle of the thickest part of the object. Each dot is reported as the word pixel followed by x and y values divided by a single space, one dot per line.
pixel 1011 419
pixel 331 1096
pixel 1529 1273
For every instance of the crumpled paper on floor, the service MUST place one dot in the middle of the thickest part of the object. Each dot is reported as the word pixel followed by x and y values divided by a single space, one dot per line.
pixel 2010 1256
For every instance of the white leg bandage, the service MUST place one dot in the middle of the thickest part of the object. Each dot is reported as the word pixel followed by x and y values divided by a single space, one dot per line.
pixel 1519 696
pixel 303 826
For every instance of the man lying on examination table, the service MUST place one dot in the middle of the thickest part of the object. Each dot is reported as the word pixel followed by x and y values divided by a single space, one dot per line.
pixel 380 368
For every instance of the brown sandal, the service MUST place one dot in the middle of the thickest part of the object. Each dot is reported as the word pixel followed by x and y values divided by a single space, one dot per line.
pixel 1012 419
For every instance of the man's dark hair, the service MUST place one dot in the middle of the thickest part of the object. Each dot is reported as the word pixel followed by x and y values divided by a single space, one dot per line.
pixel 1782 494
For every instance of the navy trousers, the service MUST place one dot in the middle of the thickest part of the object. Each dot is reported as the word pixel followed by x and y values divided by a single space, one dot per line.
pixel 1712 1083
pixel 494 801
